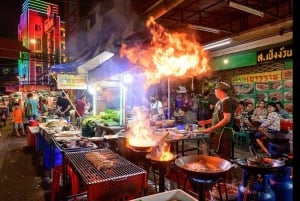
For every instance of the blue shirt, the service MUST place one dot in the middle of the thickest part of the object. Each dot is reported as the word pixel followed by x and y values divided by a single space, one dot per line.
pixel 34 104
pixel 284 114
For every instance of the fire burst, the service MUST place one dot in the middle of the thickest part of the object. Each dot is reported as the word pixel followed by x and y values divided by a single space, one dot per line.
pixel 168 54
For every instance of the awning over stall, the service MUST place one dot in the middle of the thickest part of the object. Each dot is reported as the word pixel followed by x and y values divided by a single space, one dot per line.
pixel 73 66
pixel 69 67
pixel 111 67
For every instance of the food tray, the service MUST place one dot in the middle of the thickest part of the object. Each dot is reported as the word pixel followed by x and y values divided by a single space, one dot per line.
pixel 168 196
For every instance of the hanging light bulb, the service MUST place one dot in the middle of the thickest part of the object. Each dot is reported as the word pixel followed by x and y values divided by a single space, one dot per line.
pixel 225 61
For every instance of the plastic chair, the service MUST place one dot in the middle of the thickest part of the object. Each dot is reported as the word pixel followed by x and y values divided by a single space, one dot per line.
pixel 57 171
pixel 242 139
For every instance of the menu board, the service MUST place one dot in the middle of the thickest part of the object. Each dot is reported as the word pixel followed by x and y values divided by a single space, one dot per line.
pixel 271 90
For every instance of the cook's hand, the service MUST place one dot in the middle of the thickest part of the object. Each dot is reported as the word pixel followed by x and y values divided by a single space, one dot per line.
pixel 202 123
pixel 207 130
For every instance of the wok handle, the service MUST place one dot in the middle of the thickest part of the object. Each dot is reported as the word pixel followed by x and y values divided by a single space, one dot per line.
pixel 262 146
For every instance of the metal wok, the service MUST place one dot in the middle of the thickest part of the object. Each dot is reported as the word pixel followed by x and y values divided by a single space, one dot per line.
pixel 210 167
pixel 264 165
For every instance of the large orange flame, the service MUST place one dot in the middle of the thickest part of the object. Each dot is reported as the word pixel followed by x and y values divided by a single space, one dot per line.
pixel 168 54
pixel 140 132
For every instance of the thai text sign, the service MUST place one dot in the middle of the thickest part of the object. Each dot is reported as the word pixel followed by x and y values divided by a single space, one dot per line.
pixel 274 54
pixel 258 77
pixel 71 81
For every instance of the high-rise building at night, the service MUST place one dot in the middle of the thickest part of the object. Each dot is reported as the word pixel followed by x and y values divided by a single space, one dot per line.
pixel 40 30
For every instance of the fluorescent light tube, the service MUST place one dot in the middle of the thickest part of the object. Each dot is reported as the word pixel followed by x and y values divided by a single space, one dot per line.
pixel 246 9
pixel 217 44
pixel 202 28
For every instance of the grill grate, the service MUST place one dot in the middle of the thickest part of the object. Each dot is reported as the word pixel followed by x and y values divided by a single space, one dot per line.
pixel 121 169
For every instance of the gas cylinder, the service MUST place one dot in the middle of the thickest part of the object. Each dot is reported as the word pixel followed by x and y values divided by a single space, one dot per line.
pixel 255 188
pixel 282 184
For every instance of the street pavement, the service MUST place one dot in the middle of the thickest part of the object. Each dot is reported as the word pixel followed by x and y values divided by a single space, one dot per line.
pixel 22 177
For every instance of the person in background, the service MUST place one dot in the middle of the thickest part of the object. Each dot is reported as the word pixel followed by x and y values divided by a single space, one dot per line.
pixel 261 110
pixel 43 107
pixel 221 132
pixel 165 106
pixel 249 113
pixel 238 116
pixel 272 123
pixel 33 103
pixel 240 109
pixel 65 106
pixel 178 115
pixel 281 111
pixel 156 107
pixel 81 107
pixel 17 118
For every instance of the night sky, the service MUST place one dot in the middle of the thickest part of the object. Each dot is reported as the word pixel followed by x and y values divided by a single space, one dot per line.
pixel 10 11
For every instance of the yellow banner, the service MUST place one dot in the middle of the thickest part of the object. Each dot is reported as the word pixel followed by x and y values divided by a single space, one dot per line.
pixel 258 77
pixel 71 81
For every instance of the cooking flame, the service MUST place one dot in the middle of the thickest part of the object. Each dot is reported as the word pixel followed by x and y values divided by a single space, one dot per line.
pixel 166 155
pixel 140 134
pixel 169 54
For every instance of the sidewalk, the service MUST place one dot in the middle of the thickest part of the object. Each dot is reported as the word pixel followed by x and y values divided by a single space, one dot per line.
pixel 20 178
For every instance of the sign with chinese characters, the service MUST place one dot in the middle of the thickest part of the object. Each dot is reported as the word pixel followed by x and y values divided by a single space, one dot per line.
pixel 258 77
pixel 275 54
pixel 71 81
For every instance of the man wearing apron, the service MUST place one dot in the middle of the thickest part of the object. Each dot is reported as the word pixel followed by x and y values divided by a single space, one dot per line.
pixel 157 112
pixel 221 131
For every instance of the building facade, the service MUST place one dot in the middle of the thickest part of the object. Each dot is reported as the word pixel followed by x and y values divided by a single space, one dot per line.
pixel 42 31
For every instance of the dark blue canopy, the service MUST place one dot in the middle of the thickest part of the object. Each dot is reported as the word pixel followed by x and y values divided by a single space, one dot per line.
pixel 71 67
pixel 66 67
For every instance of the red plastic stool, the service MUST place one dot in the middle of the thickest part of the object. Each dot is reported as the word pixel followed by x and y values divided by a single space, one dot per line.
pixel 55 181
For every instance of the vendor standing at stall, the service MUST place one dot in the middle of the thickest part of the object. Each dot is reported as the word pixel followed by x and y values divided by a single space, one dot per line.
pixel 156 109
pixel 221 132
pixel 81 108
pixel 64 107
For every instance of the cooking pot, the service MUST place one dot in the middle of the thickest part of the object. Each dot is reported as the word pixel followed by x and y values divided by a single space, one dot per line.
pixel 203 166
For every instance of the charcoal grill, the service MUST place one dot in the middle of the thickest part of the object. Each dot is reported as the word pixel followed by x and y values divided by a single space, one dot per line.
pixel 124 180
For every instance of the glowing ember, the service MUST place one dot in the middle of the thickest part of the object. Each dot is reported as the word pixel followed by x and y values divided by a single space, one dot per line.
pixel 140 135
pixel 169 54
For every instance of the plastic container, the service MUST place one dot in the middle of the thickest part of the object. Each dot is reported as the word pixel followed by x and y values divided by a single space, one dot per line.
pixel 33 123
pixel 168 195
pixel 282 184
pixel 31 139
pixel 52 157
pixel 87 131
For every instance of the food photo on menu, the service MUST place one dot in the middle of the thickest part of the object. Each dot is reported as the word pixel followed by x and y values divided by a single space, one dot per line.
pixel 288 96
pixel 275 96
pixel 246 88
pixel 276 85
pixel 262 96
pixel 262 86
pixel 288 84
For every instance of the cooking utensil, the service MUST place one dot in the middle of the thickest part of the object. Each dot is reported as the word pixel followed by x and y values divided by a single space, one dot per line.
pixel 215 166
pixel 260 165
pixel 144 148
pixel 156 158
